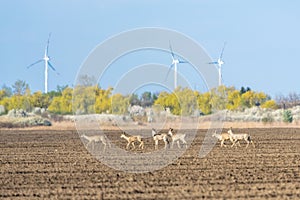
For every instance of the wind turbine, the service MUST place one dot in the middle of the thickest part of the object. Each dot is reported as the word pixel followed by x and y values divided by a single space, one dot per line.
pixel 175 61
pixel 46 59
pixel 220 62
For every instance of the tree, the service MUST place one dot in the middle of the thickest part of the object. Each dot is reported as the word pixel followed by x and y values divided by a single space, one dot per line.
pixel 38 99
pixel 84 99
pixel 20 87
pixel 146 99
pixel 7 91
pixel 86 80
pixel 103 100
pixel 2 94
pixel 169 100
pixel 248 99
pixel 62 104
pixel 260 98
pixel 187 100
pixel 270 104
pixel 293 99
pixel 287 116
pixel 243 90
pixel 134 100
pixel 219 97
pixel 120 104
pixel 234 100
pixel 204 103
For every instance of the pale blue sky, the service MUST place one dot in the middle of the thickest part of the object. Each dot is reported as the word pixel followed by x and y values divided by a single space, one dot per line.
pixel 262 51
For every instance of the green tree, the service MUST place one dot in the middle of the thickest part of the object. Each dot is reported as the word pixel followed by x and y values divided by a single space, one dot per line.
pixel 146 99
pixel 287 116
pixel 134 100
pixel 20 87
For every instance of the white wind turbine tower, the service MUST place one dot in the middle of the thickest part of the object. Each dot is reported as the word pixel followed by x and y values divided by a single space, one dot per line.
pixel 220 62
pixel 46 59
pixel 175 61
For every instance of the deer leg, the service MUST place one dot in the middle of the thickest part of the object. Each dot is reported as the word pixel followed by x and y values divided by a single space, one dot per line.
pixel 166 144
pixel 233 143
pixel 133 146
pixel 184 142
pixel 172 144
pixel 127 146
pixel 104 147
pixel 141 146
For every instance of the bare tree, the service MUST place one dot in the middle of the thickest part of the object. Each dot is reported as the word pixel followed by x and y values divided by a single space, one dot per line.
pixel 291 100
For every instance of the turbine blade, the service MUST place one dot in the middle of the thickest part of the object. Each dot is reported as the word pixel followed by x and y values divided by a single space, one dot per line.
pixel 168 72
pixel 183 61
pixel 35 63
pixel 47 48
pixel 213 63
pixel 222 50
pixel 50 65
pixel 171 50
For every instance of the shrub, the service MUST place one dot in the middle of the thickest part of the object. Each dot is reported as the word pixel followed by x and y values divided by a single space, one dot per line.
pixel 267 119
pixel 287 116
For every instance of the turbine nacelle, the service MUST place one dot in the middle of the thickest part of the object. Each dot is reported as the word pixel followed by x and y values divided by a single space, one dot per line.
pixel 175 61
pixel 220 62
pixel 46 58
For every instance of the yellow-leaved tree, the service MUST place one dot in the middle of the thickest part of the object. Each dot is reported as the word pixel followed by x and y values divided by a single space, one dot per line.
pixel 62 104
pixel 119 104
pixel 270 104
pixel 233 100
pixel 103 100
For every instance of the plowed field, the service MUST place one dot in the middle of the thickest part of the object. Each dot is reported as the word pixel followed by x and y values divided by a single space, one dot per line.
pixel 50 164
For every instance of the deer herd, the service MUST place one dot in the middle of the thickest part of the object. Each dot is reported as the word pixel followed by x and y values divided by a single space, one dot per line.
pixel 234 138
pixel 169 139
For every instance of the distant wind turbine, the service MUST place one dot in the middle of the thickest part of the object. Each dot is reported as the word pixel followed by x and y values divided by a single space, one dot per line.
pixel 220 62
pixel 46 59
pixel 175 61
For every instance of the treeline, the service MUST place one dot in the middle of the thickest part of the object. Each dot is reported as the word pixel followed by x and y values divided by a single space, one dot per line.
pixel 87 99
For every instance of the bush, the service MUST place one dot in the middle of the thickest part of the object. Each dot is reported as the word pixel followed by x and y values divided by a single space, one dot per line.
pixel 287 116
pixel 267 119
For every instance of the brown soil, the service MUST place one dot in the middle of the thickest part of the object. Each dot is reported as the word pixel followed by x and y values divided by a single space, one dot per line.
pixel 53 164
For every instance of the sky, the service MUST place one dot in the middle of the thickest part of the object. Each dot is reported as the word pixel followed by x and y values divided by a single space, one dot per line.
pixel 262 37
